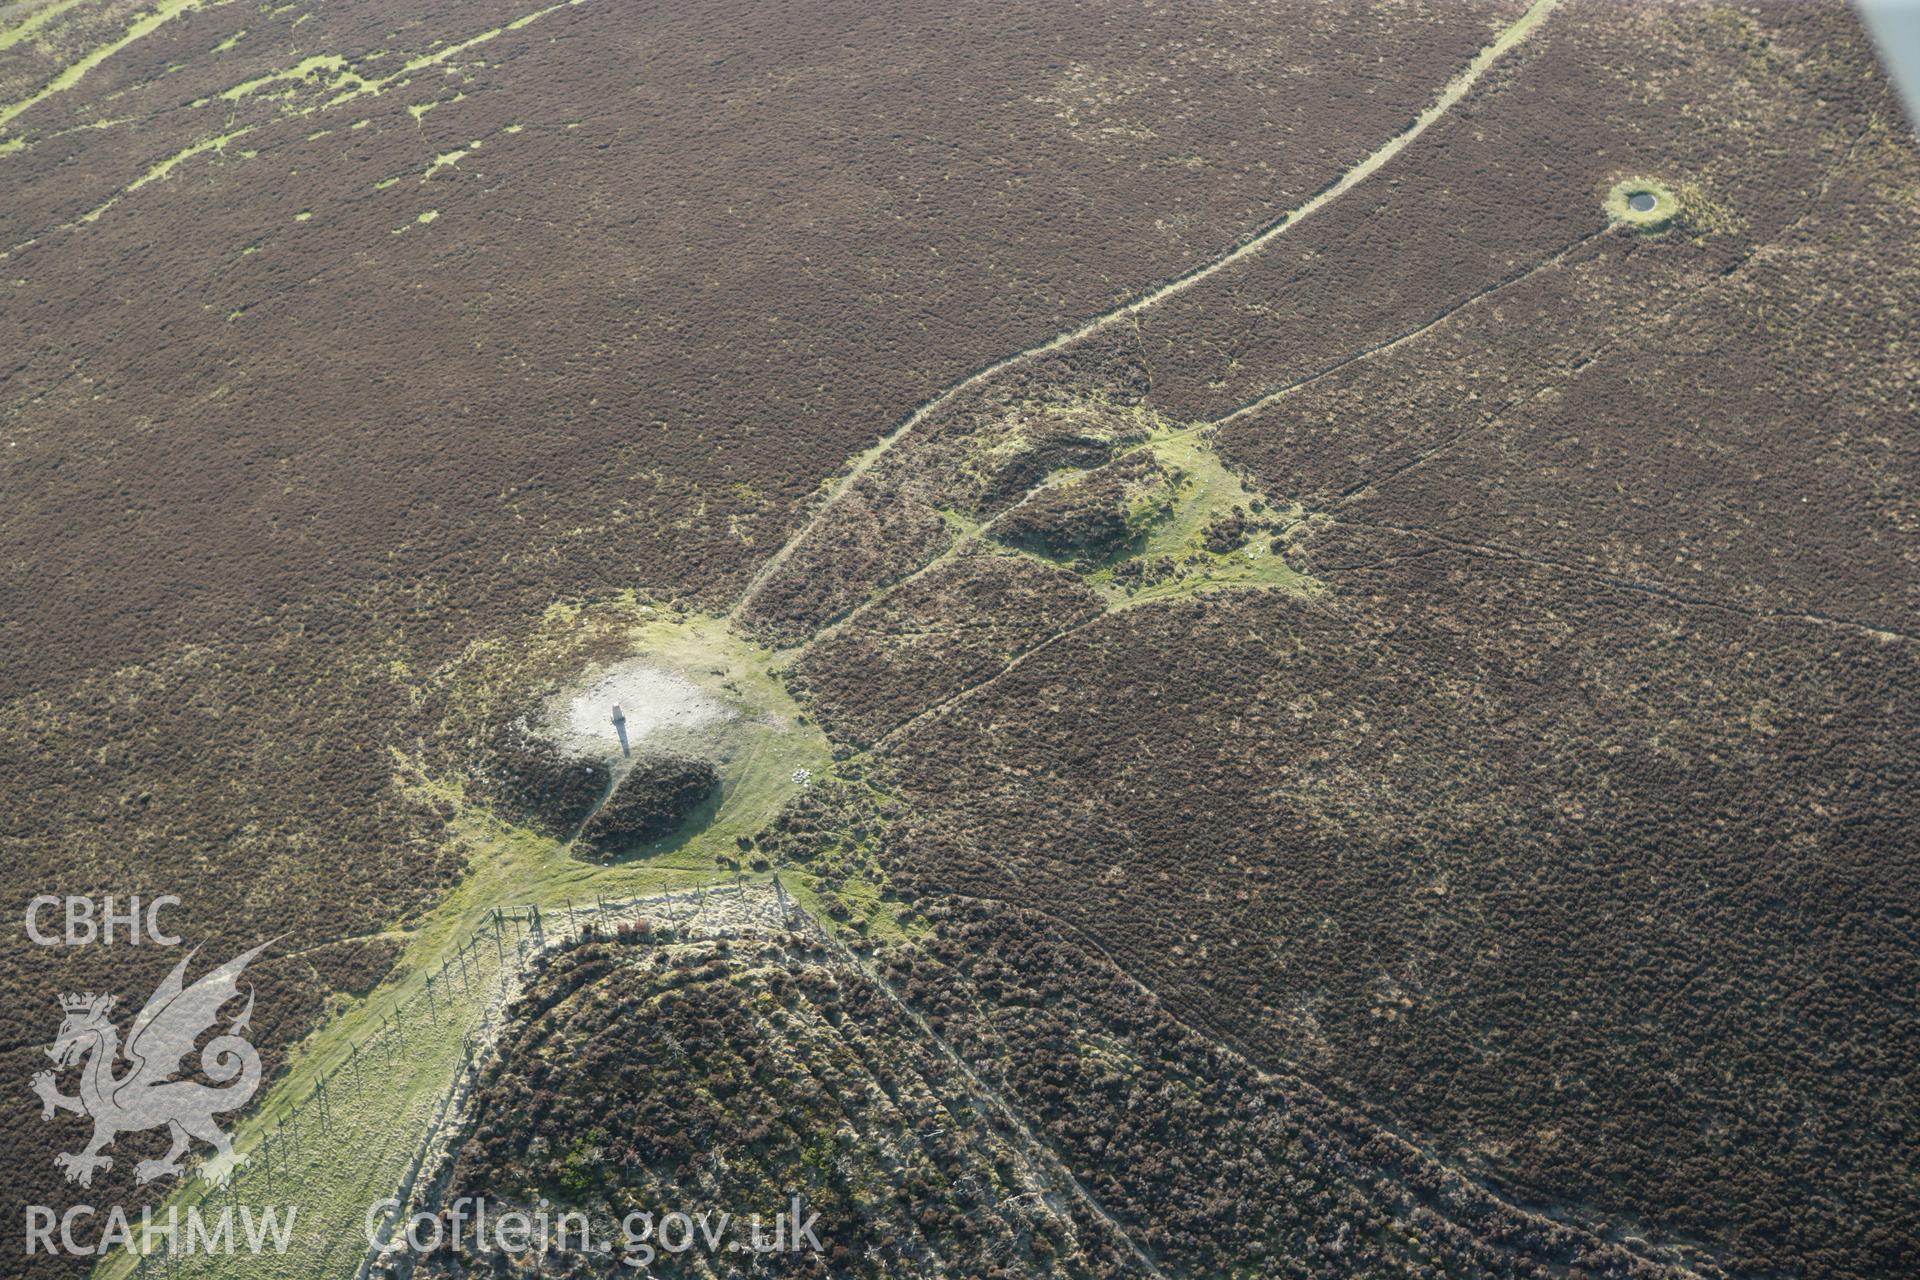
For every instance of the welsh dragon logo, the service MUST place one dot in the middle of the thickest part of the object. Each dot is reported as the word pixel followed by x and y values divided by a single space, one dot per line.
pixel 146 1095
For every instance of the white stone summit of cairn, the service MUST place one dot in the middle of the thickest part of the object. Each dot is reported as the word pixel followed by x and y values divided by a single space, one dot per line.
pixel 651 707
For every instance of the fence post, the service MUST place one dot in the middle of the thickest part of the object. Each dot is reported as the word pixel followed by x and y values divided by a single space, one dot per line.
pixel 780 892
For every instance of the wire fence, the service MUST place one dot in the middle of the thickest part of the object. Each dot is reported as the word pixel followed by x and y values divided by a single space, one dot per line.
pixel 477 981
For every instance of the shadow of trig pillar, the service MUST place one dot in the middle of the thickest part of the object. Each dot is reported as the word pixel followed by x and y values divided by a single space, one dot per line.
pixel 620 727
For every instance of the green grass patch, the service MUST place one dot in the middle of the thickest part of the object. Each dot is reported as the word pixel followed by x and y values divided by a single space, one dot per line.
pixel 149 20
pixel 329 68
pixel 835 871
pixel 162 168
pixel 1621 204
pixel 1215 531
pixel 1206 493
pixel 381 1111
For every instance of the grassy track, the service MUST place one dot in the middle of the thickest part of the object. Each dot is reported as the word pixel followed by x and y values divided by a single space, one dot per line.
pixel 1455 89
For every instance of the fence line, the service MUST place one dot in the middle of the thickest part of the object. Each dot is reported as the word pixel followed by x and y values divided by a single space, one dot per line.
pixel 533 936
pixel 474 1064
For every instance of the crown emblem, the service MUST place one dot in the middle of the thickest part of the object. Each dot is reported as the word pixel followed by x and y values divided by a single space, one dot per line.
pixel 86 1003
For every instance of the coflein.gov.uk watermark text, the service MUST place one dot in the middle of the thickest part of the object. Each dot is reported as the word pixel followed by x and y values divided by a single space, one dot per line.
pixel 467 1224
pixel 82 1231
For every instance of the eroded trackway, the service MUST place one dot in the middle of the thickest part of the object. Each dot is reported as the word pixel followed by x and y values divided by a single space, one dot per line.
pixel 1455 89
